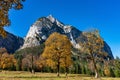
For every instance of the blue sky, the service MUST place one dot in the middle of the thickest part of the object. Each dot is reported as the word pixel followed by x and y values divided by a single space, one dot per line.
pixel 83 14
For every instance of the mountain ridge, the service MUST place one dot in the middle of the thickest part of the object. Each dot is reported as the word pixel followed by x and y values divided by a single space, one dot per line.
pixel 11 42
pixel 45 26
pixel 40 31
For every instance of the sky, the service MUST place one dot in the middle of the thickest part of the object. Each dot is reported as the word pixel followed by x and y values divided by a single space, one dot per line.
pixel 83 14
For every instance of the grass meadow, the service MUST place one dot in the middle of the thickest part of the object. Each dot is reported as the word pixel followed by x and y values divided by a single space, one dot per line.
pixel 20 75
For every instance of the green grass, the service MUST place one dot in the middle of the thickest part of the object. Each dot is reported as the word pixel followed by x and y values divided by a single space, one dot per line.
pixel 20 75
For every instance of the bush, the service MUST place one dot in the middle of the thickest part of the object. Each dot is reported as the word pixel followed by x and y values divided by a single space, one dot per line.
pixel 117 72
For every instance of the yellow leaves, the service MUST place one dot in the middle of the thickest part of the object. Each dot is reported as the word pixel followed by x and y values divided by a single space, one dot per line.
pixel 5 6
pixel 2 32
pixel 93 43
pixel 19 6
pixel 40 63
pixel 57 48
pixel 7 61
pixel 51 63
pixel 3 22
pixel 107 71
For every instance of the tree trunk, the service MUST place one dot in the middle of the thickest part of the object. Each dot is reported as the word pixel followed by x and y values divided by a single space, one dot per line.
pixel 66 72
pixel 58 74
pixel 95 67
pixel 32 71
pixel 96 74
pixel 58 69
pixel 96 70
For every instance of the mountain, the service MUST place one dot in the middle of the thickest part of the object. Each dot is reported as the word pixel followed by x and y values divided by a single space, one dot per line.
pixel 11 42
pixel 44 26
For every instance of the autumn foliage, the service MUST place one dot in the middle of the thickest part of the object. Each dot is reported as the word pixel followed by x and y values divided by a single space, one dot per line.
pixel 5 6
pixel 56 55
pixel 57 51
pixel 7 61
pixel 93 45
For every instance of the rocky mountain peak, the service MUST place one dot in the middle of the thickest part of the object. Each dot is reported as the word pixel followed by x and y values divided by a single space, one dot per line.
pixel 45 26
pixel 54 20
pixel 51 18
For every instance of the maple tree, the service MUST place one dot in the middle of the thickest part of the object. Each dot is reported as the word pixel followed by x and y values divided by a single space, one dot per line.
pixel 2 50
pixel 27 57
pixel 40 63
pixel 5 6
pixel 93 45
pixel 28 63
pixel 7 61
pixel 57 51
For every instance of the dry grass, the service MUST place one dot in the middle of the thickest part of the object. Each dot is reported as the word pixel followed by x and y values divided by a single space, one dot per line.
pixel 20 75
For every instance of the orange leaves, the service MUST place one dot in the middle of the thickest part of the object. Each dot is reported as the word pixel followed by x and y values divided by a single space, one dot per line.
pixel 5 6
pixel 2 32
pixel 40 63
pixel 93 43
pixel 51 63
pixel 107 71
pixel 57 50
pixel 7 61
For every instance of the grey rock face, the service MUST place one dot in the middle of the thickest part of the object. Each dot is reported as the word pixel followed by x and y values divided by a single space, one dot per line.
pixel 11 42
pixel 44 26
pixel 107 49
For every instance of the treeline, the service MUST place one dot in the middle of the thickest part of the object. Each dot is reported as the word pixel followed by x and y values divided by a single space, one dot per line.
pixel 57 55
pixel 109 68
pixel 20 62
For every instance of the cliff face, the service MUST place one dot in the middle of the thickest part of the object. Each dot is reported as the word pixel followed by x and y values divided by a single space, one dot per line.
pixel 107 49
pixel 11 42
pixel 44 26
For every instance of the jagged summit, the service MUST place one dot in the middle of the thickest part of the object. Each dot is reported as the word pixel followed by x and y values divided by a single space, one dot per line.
pixel 45 26
pixel 51 18
pixel 54 20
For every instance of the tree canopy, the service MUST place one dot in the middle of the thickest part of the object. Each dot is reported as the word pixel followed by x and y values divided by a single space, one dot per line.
pixel 5 6
pixel 93 46
pixel 57 51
